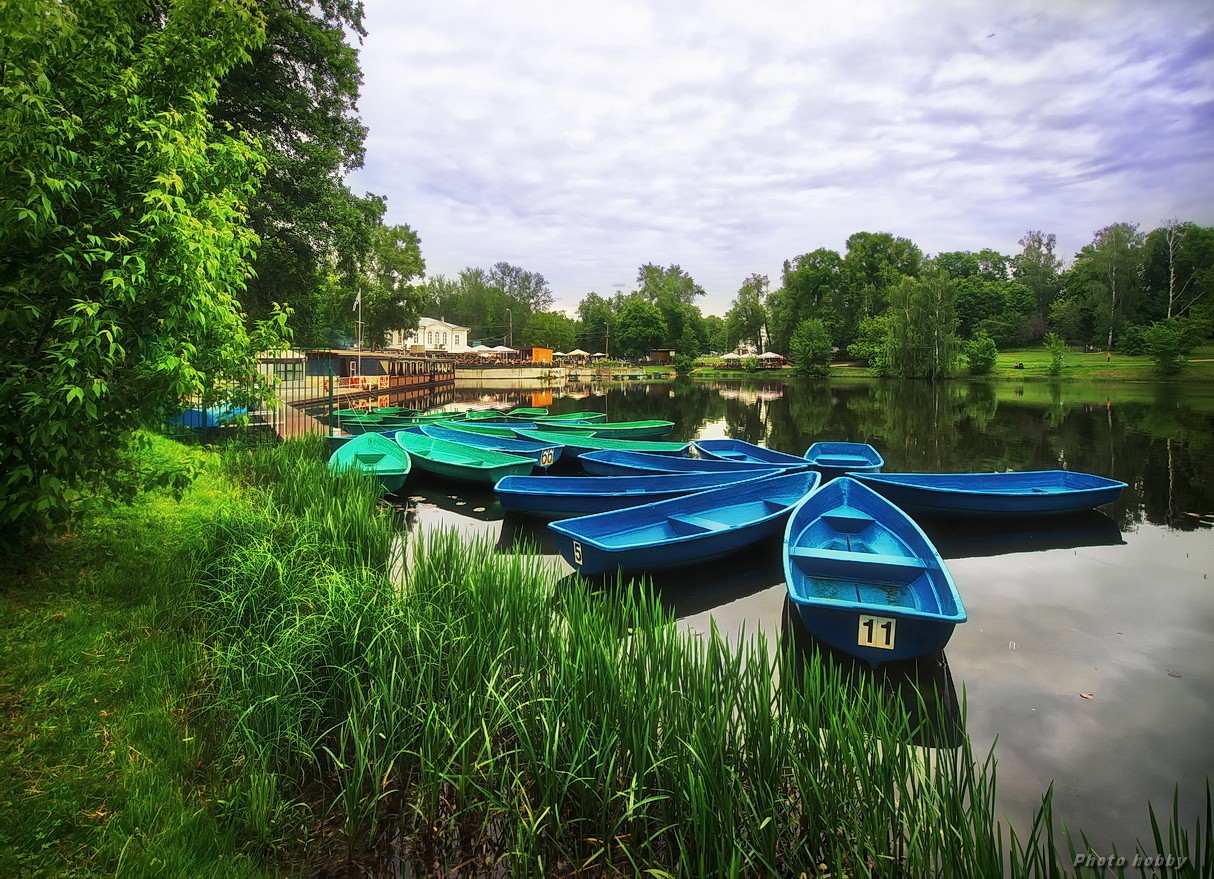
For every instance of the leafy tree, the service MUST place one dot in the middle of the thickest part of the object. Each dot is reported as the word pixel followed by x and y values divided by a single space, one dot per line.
pixel 1057 348
pixel 718 333
pixel 1070 319
pixel 1178 270
pixel 529 289
pixel 1038 268
pixel 123 242
pixel 810 351
pixel 812 288
pixel 922 339
pixel 389 299
pixel 873 264
pixel 872 342
pixel 746 320
pixel 980 354
pixel 1114 259
pixel 639 328
pixel 1171 341
pixel 551 329
pixel 297 94
pixel 596 316
pixel 674 292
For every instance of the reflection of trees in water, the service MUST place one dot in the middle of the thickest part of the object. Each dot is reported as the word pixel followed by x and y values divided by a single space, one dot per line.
pixel 1161 448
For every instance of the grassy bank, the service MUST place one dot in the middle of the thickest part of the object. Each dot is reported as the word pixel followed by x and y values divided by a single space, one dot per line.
pixel 482 719
pixel 1035 364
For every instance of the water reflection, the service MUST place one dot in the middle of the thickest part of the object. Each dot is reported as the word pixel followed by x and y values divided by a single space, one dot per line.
pixel 923 687
pixel 964 539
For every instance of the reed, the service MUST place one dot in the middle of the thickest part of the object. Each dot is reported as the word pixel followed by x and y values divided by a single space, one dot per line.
pixel 480 718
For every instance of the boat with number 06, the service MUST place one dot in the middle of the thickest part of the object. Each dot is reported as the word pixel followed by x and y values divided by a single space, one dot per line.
pixel 684 530
pixel 865 579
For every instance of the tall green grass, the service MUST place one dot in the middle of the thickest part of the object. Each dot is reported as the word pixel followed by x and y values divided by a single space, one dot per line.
pixel 478 718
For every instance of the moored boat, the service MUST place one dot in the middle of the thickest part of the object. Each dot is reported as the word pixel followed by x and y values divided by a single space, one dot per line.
pixel 560 497
pixel 544 455
pixel 577 445
pixel 375 455
pixel 626 462
pixel 649 429
pixel 865 579
pixel 459 461
pixel 833 459
pixel 684 530
pixel 1023 493
pixel 583 417
pixel 749 453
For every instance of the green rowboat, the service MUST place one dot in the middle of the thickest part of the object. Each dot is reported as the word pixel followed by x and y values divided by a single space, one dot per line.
pixel 585 417
pixel 458 461
pixel 376 456
pixel 576 444
pixel 634 430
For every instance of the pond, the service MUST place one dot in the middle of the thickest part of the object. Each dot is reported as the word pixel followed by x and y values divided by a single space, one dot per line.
pixel 1089 650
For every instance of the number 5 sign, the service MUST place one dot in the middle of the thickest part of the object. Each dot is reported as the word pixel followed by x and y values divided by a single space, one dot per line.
pixel 876 632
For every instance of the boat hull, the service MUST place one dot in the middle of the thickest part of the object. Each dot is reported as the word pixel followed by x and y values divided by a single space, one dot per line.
pixel 461 462
pixel 562 497
pixel 865 579
pixel 683 531
pixel 749 453
pixel 623 462
pixel 377 457
pixel 833 459
pixel 633 430
pixel 544 455
pixel 995 495
pixel 576 446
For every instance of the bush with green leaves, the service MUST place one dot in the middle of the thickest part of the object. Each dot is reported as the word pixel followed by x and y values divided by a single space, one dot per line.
pixel 1170 342
pixel 810 349
pixel 980 354
pixel 1057 348
pixel 125 238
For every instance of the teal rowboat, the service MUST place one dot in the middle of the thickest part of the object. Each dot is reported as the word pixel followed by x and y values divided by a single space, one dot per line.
pixel 576 444
pixel 543 455
pixel 634 430
pixel 376 456
pixel 584 417
pixel 458 461
pixel 492 428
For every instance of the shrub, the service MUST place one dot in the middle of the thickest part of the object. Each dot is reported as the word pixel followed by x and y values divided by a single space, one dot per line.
pixel 1057 348
pixel 810 348
pixel 980 354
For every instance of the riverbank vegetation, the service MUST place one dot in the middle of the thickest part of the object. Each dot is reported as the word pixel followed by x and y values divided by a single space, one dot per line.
pixel 240 684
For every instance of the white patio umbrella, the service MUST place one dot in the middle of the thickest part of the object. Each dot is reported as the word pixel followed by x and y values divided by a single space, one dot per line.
pixel 502 349
pixel 731 356
pixel 771 355
pixel 559 354
pixel 599 354
pixel 578 352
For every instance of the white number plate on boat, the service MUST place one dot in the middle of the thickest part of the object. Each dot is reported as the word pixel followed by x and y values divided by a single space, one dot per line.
pixel 546 458
pixel 876 632
pixel 577 553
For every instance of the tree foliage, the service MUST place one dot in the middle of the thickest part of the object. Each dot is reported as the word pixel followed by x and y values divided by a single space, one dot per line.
pixel 639 328
pixel 390 300
pixel 810 351
pixel 980 354
pixel 551 329
pixel 123 239
pixel 297 93
pixel 1169 342
pixel 922 341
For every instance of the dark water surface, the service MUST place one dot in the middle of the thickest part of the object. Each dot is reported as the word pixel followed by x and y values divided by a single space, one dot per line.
pixel 1089 650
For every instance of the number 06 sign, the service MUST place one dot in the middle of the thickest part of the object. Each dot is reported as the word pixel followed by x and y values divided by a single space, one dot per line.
pixel 876 632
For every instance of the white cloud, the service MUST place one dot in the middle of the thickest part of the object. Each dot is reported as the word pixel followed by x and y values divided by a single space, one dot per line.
pixel 729 137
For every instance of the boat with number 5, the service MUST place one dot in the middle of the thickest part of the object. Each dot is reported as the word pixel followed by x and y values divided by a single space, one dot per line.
pixel 684 530
pixel 865 579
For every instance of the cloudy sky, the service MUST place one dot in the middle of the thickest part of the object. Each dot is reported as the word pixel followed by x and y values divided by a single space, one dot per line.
pixel 583 140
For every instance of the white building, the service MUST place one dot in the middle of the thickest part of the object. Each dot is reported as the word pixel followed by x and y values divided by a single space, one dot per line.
pixel 433 335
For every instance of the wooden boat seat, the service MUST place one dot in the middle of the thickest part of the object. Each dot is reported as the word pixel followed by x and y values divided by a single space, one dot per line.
pixel 838 564
pixel 841 461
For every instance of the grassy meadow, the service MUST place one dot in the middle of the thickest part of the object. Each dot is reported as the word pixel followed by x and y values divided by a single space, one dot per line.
pixel 240 684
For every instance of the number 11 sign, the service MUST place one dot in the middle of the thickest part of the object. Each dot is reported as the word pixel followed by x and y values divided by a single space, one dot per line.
pixel 876 632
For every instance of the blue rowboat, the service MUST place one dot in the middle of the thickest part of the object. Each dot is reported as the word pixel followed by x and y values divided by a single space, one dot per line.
pixel 544 455
pixel 684 530
pixel 458 461
pixel 617 462
pixel 560 497
pixel 1027 493
pixel 633 430
pixel 749 453
pixel 376 456
pixel 865 579
pixel 835 459
pixel 576 446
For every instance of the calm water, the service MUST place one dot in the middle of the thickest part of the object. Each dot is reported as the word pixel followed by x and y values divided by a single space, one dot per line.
pixel 1089 650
